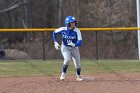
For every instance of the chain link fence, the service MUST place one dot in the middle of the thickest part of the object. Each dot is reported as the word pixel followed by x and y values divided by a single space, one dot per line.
pixel 49 14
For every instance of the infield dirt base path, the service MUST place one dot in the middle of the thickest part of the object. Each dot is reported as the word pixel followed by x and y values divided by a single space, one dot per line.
pixel 103 83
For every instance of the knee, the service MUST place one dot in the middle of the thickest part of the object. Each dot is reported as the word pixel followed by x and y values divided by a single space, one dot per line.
pixel 66 61
pixel 77 66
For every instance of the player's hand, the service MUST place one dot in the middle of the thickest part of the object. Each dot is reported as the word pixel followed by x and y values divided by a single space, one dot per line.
pixel 71 44
pixel 57 46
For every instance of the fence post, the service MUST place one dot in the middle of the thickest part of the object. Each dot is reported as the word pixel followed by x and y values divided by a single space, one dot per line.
pixel 43 46
pixel 97 56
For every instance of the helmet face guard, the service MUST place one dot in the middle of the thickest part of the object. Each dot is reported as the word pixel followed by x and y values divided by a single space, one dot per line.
pixel 69 19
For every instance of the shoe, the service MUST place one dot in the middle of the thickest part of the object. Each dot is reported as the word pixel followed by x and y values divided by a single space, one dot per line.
pixel 63 75
pixel 79 78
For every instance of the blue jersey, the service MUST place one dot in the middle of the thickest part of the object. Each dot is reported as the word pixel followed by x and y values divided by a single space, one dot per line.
pixel 68 36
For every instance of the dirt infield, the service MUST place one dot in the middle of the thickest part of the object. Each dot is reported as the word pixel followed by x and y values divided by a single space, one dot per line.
pixel 103 83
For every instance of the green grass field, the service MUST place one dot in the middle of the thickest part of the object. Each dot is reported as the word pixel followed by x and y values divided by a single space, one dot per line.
pixel 53 67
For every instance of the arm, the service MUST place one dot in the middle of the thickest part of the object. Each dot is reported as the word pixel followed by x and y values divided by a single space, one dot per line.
pixel 79 37
pixel 56 44
pixel 79 40
pixel 79 43
pixel 54 36
pixel 56 32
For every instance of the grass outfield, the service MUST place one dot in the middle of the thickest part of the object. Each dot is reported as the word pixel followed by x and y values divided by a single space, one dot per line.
pixel 53 67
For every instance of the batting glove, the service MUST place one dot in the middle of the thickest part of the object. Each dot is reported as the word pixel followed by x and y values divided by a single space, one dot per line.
pixel 57 46
pixel 71 44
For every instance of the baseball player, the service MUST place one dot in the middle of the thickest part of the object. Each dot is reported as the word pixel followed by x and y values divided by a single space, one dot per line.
pixel 71 40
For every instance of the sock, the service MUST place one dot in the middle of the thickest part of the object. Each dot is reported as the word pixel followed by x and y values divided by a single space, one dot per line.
pixel 65 68
pixel 78 71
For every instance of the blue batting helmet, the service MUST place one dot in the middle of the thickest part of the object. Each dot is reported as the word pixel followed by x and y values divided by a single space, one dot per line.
pixel 69 19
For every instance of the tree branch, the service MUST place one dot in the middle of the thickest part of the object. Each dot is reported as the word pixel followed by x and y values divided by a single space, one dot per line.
pixel 11 8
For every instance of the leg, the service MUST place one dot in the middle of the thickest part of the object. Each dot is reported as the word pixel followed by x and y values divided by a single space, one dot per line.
pixel 67 58
pixel 76 60
pixel 76 57
pixel 66 55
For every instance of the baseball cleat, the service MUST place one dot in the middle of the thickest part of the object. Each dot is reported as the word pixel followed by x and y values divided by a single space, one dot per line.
pixel 63 75
pixel 79 78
